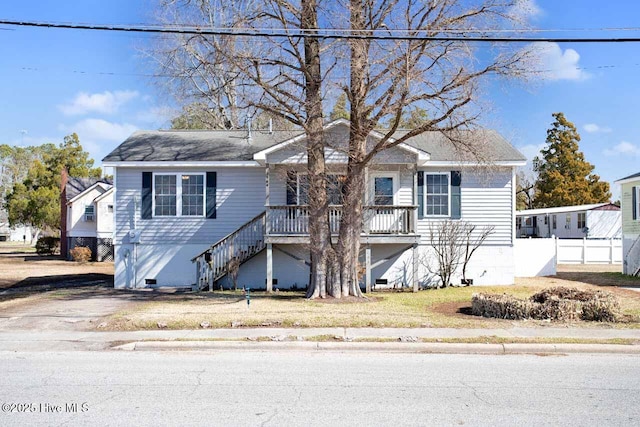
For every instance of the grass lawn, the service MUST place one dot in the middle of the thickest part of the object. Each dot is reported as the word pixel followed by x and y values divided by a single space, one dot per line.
pixel 432 308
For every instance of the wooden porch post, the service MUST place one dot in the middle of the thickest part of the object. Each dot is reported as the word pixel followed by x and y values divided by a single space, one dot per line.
pixel 267 201
pixel 269 267
pixel 367 263
pixel 416 202
pixel 414 254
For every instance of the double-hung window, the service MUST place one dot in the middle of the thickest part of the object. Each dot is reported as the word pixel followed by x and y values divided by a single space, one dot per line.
pixel 437 200
pixel 582 220
pixel 178 194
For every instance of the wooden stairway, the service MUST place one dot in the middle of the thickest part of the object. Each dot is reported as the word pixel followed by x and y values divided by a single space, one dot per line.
pixel 237 247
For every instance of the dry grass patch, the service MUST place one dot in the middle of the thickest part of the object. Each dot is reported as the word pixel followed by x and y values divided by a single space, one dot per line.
pixel 449 307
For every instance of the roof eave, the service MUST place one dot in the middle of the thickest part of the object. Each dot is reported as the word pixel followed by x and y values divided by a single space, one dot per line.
pixel 627 180
pixel 181 164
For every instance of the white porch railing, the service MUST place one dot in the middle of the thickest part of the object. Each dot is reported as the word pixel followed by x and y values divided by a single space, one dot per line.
pixel 294 220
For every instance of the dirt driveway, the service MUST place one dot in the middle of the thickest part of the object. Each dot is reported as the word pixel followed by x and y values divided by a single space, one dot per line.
pixel 48 293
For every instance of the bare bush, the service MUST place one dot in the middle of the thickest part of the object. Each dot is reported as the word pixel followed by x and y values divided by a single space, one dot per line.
pixel 81 254
pixel 563 304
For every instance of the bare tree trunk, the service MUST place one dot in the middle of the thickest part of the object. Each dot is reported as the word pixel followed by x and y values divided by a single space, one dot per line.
pixel 319 234
pixel 351 222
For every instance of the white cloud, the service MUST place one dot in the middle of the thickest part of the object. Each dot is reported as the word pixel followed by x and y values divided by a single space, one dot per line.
pixel 594 128
pixel 624 148
pixel 101 130
pixel 530 151
pixel 557 64
pixel 106 102
pixel 99 136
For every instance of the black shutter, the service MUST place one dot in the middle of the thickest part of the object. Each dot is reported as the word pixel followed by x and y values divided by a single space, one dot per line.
pixel 292 188
pixel 456 180
pixel 420 194
pixel 147 179
pixel 211 194
pixel 634 203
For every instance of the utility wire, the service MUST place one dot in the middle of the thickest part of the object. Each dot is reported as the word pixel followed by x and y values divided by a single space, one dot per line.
pixel 156 75
pixel 320 33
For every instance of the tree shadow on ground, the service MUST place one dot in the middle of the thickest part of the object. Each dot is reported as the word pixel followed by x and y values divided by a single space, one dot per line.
pixel 604 279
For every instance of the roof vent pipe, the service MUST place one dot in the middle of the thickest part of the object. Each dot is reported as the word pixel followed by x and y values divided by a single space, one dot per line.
pixel 270 126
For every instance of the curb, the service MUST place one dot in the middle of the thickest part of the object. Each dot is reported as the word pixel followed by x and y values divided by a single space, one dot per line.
pixel 384 347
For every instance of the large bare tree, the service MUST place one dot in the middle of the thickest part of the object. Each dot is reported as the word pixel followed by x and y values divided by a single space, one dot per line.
pixel 384 80
pixel 276 75
pixel 390 78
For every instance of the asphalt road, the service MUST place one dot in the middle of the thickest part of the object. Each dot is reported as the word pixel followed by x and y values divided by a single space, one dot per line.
pixel 297 388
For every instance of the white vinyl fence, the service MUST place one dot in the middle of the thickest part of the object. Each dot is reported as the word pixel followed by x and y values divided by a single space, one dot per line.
pixel 539 257
pixel 588 251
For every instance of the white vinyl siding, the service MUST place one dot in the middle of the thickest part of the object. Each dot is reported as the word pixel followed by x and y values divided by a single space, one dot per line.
pixel 486 200
pixel 240 196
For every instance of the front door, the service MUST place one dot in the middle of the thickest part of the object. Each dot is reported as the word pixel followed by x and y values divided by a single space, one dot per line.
pixel 383 218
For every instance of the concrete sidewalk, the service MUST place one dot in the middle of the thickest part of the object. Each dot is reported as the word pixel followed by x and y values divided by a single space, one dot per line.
pixel 303 338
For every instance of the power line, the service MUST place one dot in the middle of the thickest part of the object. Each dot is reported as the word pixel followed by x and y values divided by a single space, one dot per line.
pixel 320 33
pixel 157 75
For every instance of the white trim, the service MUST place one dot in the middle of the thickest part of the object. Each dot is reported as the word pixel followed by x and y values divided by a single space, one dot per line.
pixel 261 156
pixel 424 193
pixel 180 164
pixel 178 195
pixel 454 164
pixel 628 180
pixel 103 195
pixel 394 175
pixel 83 193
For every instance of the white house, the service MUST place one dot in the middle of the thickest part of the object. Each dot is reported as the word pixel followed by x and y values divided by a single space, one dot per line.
pixel 630 204
pixel 87 216
pixel 18 233
pixel 186 200
pixel 594 221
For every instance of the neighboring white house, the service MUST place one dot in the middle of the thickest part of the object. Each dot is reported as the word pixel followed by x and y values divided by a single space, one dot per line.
pixel 630 204
pixel 595 221
pixel 19 233
pixel 88 217
pixel 188 200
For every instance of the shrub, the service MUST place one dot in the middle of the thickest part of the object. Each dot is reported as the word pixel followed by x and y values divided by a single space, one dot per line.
pixel 48 245
pixel 80 254
pixel 550 304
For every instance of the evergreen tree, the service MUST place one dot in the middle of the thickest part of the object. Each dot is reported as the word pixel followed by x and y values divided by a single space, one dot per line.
pixel 565 178
pixel 35 200
pixel 340 108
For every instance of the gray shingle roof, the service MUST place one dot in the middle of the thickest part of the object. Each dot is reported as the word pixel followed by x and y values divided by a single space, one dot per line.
pixel 489 144
pixel 76 186
pixel 166 146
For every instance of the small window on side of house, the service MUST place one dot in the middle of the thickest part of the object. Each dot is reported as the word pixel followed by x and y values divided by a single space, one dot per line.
pixel 582 220
pixel 567 224
pixel 554 220
pixel 637 205
pixel 89 213
pixel 110 208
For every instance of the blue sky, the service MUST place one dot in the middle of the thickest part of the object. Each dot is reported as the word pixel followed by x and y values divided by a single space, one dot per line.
pixel 55 82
